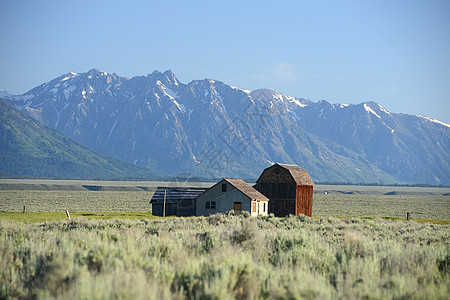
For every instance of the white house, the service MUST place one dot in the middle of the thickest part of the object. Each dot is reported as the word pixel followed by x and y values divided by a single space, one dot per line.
pixel 231 194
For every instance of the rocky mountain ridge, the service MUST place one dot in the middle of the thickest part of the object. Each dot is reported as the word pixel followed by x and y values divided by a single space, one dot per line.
pixel 210 129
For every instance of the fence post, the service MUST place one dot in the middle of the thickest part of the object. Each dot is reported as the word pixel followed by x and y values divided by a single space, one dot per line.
pixel 24 210
pixel 408 216
pixel 164 205
pixel 67 213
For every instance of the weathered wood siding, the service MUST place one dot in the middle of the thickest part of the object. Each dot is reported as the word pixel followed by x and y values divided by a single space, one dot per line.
pixel 180 201
pixel 304 200
pixel 281 195
pixel 286 197
pixel 157 209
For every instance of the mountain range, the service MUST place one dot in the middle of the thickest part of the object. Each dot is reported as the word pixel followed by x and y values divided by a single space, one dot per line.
pixel 206 128
pixel 31 149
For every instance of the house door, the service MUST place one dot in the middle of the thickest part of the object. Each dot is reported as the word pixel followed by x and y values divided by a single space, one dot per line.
pixel 237 206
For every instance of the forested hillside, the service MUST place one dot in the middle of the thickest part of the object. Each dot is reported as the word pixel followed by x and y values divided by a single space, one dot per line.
pixel 30 149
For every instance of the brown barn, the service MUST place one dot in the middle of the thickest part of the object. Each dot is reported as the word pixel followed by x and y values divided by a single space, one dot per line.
pixel 289 188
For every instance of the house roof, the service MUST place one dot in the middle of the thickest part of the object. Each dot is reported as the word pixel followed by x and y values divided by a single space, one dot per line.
pixel 174 194
pixel 300 176
pixel 246 189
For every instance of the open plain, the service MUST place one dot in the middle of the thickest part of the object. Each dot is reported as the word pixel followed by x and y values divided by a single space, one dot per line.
pixel 134 196
pixel 114 248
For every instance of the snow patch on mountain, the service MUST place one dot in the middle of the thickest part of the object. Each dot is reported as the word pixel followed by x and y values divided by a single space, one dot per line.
pixel 69 76
pixel 294 114
pixel 58 113
pixel 68 91
pixel 180 106
pixel 170 93
pixel 370 110
pixel 189 115
pixel 321 113
pixel 384 109
pixel 295 100
pixel 239 89
pixel 112 128
pixel 434 120
pixel 392 130
pixel 5 94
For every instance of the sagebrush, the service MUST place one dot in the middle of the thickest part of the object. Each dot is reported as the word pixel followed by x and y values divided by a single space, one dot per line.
pixel 225 257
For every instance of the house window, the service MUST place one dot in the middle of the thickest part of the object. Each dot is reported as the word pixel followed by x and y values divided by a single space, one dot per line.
pixel 210 205
pixel 237 206
pixel 264 207
pixel 253 206
pixel 224 187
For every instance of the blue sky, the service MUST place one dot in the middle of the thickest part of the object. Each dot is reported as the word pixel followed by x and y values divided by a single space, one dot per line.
pixel 393 52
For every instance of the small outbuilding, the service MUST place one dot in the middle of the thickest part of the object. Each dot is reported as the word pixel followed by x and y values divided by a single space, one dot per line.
pixel 232 194
pixel 289 188
pixel 179 201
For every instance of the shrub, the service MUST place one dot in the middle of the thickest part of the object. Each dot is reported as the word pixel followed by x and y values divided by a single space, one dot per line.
pixel 224 256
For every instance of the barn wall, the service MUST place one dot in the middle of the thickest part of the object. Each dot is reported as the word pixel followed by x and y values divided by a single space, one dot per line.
pixel 157 209
pixel 281 195
pixel 304 201
pixel 224 200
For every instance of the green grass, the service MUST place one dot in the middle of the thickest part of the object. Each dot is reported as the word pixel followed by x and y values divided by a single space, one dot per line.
pixel 38 217
pixel 224 257
pixel 424 203
pixel 421 221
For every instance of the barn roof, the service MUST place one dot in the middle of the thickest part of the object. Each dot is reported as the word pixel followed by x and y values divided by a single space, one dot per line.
pixel 174 194
pixel 300 176
pixel 246 189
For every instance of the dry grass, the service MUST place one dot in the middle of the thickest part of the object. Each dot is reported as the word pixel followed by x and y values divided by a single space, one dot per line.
pixel 225 257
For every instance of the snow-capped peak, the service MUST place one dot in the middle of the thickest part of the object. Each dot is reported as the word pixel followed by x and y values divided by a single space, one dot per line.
pixel 69 76
pixel 171 77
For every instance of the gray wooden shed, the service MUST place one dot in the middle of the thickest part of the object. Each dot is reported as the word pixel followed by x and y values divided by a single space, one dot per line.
pixel 180 201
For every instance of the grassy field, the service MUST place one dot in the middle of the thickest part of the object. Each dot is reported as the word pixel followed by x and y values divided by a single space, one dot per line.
pixel 353 248
pixel 133 196
pixel 225 257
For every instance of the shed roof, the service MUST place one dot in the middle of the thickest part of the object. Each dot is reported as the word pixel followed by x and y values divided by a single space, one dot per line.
pixel 299 175
pixel 174 194
pixel 246 189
